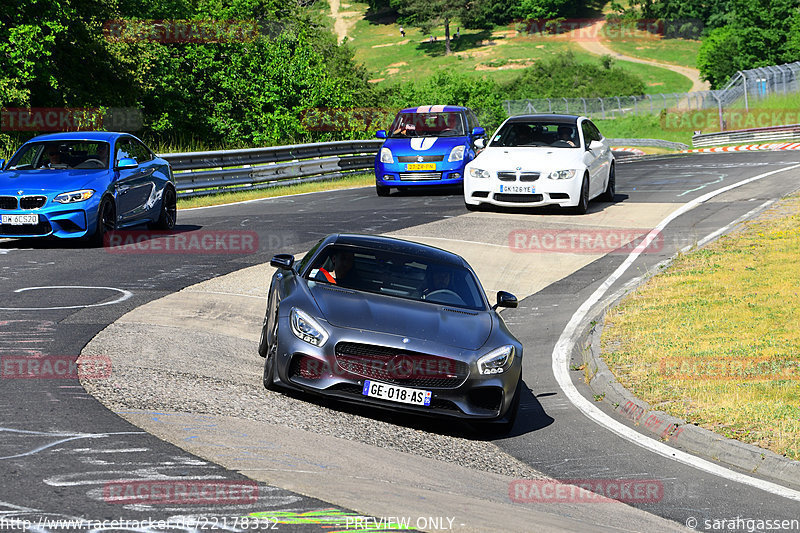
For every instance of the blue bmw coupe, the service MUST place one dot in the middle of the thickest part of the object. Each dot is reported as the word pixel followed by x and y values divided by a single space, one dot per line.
pixel 84 184
pixel 426 145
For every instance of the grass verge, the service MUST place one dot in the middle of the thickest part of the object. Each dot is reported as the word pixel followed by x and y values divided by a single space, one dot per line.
pixel 714 339
pixel 356 180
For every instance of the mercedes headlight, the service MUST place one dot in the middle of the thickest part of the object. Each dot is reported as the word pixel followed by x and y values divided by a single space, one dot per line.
pixel 74 196
pixel 456 154
pixel 562 174
pixel 497 361
pixel 307 329
pixel 478 173
pixel 386 156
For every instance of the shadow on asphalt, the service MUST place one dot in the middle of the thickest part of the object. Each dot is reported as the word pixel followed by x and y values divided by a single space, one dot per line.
pixel 141 234
pixel 531 417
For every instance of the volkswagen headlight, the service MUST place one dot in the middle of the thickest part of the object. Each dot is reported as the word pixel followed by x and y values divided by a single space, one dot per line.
pixel 386 156
pixel 562 174
pixel 456 154
pixel 74 196
pixel 497 361
pixel 307 329
pixel 479 173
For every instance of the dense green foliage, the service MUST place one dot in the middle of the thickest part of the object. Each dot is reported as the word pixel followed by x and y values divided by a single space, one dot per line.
pixel 53 53
pixel 564 76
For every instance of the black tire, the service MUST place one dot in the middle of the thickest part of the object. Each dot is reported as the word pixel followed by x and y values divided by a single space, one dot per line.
pixel 106 221
pixel 169 211
pixel 471 207
pixel 583 202
pixel 268 347
pixel 610 192
pixel 380 190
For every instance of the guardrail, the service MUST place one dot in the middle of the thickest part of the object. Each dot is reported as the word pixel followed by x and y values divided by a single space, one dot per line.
pixel 203 173
pixel 649 142
pixel 751 136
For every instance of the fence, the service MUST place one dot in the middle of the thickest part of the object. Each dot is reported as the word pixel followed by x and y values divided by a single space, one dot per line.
pixel 203 173
pixel 746 85
pixel 750 136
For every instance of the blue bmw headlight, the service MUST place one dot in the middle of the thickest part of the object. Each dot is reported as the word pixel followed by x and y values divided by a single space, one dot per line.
pixel 307 329
pixel 74 196
pixel 497 361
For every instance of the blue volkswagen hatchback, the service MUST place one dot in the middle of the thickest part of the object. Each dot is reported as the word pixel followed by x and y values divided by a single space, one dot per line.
pixel 426 145
pixel 84 184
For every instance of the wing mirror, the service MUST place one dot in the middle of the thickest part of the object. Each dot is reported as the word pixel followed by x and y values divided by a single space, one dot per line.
pixel 380 134
pixel 595 145
pixel 126 163
pixel 505 299
pixel 284 261
pixel 480 144
pixel 478 132
pixel 2 163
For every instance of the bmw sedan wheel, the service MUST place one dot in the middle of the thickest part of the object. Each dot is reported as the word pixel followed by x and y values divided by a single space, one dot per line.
pixel 610 191
pixel 106 221
pixel 583 201
pixel 169 211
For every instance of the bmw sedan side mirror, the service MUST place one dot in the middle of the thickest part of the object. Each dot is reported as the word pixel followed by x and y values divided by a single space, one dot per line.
pixel 380 134
pixel 478 132
pixel 284 261
pixel 505 299
pixel 479 143
pixel 595 145
pixel 126 163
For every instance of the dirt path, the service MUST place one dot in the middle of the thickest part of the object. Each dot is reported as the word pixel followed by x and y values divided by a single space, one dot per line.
pixel 590 41
pixel 343 20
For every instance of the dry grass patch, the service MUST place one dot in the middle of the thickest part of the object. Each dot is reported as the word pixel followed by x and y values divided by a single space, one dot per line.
pixel 715 339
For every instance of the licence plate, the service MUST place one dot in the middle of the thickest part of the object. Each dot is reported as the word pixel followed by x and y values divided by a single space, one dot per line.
pixel 374 389
pixel 421 166
pixel 524 189
pixel 20 220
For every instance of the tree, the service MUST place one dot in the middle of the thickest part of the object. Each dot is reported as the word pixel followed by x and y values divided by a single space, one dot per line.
pixel 429 13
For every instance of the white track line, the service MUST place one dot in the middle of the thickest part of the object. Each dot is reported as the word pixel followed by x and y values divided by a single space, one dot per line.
pixel 563 347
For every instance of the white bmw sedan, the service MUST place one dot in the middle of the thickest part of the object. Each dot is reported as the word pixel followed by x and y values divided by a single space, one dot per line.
pixel 535 160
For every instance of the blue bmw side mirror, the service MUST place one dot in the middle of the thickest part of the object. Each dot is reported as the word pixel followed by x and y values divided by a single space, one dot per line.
pixel 2 163
pixel 478 132
pixel 126 162
pixel 380 134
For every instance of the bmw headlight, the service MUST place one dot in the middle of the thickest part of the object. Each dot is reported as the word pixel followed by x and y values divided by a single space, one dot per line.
pixel 562 174
pixel 74 196
pixel 497 361
pixel 307 329
pixel 456 154
pixel 479 173
pixel 386 156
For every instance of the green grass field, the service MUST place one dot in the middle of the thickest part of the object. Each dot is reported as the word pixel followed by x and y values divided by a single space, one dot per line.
pixel 682 52
pixel 714 338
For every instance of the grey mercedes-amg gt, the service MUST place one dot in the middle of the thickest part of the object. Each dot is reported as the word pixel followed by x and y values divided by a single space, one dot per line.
pixel 392 324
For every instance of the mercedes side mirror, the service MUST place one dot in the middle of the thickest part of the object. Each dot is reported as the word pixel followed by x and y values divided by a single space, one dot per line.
pixel 505 299
pixel 284 261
